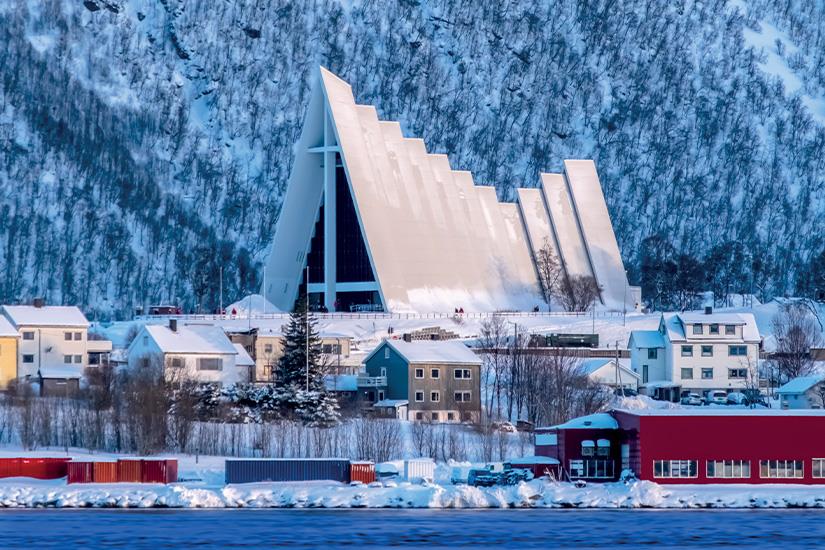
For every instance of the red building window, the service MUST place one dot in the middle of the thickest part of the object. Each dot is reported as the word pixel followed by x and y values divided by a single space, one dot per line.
pixel 674 468
pixel 818 470
pixel 729 469
pixel 782 469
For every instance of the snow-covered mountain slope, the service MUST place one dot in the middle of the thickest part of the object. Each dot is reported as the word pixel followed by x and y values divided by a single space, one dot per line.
pixel 145 144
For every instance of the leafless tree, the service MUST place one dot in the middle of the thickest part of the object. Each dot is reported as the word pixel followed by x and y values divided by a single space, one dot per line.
pixel 549 271
pixel 796 331
pixel 494 341
pixel 819 389
pixel 580 293
pixel 377 439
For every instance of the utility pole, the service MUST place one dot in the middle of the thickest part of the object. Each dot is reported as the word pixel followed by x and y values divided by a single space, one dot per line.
pixel 624 300
pixel 220 292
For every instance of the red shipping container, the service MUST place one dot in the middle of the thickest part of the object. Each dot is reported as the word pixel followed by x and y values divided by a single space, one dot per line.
pixel 80 472
pixel 129 470
pixel 56 467
pixel 9 467
pixel 105 472
pixel 362 471
pixel 159 471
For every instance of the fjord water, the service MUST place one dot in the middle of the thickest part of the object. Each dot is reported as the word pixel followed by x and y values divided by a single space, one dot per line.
pixel 158 529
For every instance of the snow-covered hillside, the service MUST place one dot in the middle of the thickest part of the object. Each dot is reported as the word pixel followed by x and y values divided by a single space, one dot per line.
pixel 145 144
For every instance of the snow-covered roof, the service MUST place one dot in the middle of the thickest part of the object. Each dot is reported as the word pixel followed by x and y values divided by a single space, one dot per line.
pixel 191 339
pixel 392 403
pixel 452 352
pixel 46 316
pixel 62 372
pixel 646 339
pixel 600 421
pixel 341 382
pixel 801 384
pixel 529 460
pixel 588 443
pixel 243 359
pixel 675 324
pixel 6 329
pixel 723 411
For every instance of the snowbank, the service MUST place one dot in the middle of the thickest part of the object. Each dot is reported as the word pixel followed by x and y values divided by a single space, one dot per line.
pixel 535 494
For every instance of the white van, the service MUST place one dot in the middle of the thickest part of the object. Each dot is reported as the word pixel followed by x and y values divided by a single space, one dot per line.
pixel 718 397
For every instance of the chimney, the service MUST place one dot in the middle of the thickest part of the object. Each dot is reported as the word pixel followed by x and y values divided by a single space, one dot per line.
pixel 173 325
pixel 38 302
pixel 708 310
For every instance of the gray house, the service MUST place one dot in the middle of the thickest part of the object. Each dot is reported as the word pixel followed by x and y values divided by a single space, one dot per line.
pixel 440 380
pixel 805 392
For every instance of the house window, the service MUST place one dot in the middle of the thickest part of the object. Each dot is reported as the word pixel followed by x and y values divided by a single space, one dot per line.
pixel 674 468
pixel 28 358
pixel 730 330
pixel 67 335
pixel 461 396
pixel 450 416
pixel 644 374
pixel 28 335
pixel 78 359
pixel 707 351
pixel 698 329
pixel 652 353
pixel 435 396
pixel 78 336
pixel 707 373
pixel 176 362
pixel 419 396
pixel 588 448
pixel 419 373
pixel 267 348
pixel 687 351
pixel 435 374
pixel 714 329
pixel 687 373
pixel 461 374
pixel 145 340
pixel 384 372
pixel 781 469
pixel 371 396
pixel 737 351
pixel 729 469
pixel 419 416
pixel 434 416
pixel 818 468
pixel 386 353
pixel 737 373
pixel 380 395
pixel 67 359
pixel 210 363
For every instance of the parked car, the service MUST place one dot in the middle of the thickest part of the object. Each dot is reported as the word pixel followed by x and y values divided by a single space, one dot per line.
pixel 717 397
pixel 737 398
pixel 691 399
pixel 503 427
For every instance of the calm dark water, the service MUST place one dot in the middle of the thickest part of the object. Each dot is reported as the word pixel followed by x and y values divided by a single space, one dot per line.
pixel 159 529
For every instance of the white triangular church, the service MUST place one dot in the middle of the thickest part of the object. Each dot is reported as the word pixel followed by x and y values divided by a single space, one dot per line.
pixel 378 223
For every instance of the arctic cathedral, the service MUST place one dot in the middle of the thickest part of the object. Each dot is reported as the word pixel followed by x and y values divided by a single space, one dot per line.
pixel 375 222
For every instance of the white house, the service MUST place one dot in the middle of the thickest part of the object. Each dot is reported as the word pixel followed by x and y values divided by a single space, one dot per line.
pixel 804 392
pixel 54 340
pixel 199 352
pixel 698 352
pixel 604 371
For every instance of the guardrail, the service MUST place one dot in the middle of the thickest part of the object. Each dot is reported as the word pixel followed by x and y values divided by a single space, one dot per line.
pixel 371 381
pixel 393 316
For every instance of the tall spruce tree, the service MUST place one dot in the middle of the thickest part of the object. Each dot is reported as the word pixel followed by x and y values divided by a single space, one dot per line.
pixel 300 381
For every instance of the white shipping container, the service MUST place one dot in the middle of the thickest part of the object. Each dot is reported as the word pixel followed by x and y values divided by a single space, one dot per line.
pixel 419 468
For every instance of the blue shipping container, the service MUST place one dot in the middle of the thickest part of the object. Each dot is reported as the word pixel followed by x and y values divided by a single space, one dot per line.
pixel 287 469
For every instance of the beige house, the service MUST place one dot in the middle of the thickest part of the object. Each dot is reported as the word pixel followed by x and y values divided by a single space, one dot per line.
pixel 269 345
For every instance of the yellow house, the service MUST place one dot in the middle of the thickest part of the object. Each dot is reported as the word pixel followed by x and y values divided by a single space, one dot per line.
pixel 8 353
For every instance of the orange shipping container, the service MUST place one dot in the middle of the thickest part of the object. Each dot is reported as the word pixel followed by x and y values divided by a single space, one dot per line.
pixel 128 470
pixel 105 472
pixel 80 472
pixel 362 471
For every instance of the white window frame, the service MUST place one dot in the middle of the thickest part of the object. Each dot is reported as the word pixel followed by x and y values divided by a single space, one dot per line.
pixel 417 400
pixel 698 328
pixel 28 335
pixel 462 396
pixel 682 373
pixel 678 469
pixel 703 377
pixel 713 328
pixel 78 336
pixel 818 468
pixel 687 350
pixel 737 469
pixel 67 336
pixel 380 395
pixel 435 373
pixel 462 374
pixel 67 359
pixel 386 352
pixel 782 465
pixel 416 374
pixel 437 395
pixel 200 360
pixel 652 353
pixel 730 330
pixel 709 353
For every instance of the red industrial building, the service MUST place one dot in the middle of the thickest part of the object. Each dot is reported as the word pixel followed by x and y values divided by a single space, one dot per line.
pixel 691 446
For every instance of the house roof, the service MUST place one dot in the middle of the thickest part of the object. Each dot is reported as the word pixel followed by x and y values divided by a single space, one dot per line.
pixel 450 352
pixel 243 359
pixel 801 384
pixel 592 365
pixel 391 403
pixel 598 421
pixel 6 328
pixel 723 411
pixel 61 372
pixel 191 339
pixel 47 316
pixel 675 324
pixel 647 339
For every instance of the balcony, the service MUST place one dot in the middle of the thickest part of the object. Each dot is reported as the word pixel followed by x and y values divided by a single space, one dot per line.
pixel 371 381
